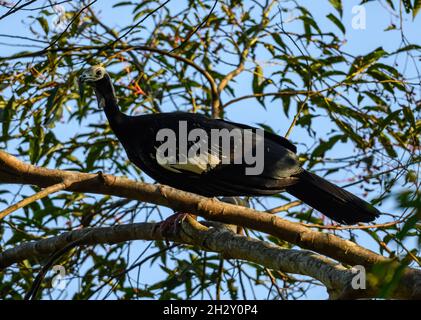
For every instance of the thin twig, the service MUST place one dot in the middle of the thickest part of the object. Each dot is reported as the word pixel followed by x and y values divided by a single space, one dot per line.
pixel 68 26
pixel 219 279
pixel 31 294
pixel 16 8
pixel 273 281
pixel 284 207
pixel 309 83
pixel 268 94
pixel 37 196
pixel 195 29
pixel 137 24
pixel 359 227
pixel 297 115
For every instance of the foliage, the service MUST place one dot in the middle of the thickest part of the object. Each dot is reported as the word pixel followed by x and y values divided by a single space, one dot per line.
pixel 300 66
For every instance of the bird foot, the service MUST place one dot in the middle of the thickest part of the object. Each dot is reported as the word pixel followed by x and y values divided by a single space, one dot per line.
pixel 172 225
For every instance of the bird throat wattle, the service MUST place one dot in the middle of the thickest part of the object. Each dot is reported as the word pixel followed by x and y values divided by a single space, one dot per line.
pixel 104 91
pixel 107 100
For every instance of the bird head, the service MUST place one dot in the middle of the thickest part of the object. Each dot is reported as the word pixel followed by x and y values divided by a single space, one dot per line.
pixel 91 76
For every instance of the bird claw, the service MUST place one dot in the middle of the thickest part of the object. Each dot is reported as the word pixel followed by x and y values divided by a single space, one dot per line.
pixel 172 225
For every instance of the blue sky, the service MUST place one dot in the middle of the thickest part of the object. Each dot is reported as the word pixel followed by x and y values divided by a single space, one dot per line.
pixel 358 42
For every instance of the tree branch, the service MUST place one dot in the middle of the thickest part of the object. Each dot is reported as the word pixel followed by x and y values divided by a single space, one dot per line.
pixel 37 196
pixel 215 103
pixel 334 276
pixel 217 239
pixel 15 171
pixel 268 94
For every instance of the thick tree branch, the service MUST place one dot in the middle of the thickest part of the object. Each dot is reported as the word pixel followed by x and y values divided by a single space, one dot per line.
pixel 219 239
pixel 15 171
pixel 334 276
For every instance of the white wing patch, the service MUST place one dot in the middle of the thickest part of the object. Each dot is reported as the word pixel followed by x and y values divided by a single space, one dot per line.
pixel 165 162
pixel 197 164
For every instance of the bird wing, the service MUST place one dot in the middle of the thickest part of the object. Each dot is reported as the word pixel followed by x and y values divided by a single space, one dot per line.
pixel 204 166
pixel 193 159
pixel 274 137
pixel 205 155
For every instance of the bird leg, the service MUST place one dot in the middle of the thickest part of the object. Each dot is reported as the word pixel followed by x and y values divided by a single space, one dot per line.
pixel 171 226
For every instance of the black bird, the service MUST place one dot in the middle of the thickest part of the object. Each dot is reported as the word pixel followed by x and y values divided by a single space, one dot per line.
pixel 206 173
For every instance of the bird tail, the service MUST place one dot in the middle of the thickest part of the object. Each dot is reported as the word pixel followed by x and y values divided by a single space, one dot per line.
pixel 331 200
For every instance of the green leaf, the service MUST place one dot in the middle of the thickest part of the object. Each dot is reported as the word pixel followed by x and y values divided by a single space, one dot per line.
pixel 390 3
pixel 409 225
pixel 266 127
pixel 386 121
pixel 346 128
pixel 363 62
pixel 324 146
pixel 409 47
pixel 392 26
pixel 407 5
pixel 337 22
pixel 337 4
pixel 257 83
pixel 286 102
pixel 93 155
pixel 409 116
pixel 44 24
pixel 7 116
pixel 277 38
pixel 388 146
pixel 51 106
pixel 123 3
pixel 416 8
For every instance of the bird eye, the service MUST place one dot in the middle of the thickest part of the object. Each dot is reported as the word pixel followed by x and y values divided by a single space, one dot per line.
pixel 98 73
